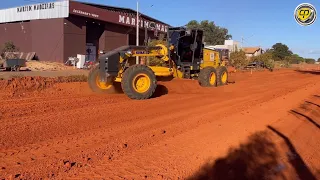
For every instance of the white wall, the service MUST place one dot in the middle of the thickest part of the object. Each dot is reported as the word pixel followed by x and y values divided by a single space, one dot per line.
pixel 59 9
pixel 257 53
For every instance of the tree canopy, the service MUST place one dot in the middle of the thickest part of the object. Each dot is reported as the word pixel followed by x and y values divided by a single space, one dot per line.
pixel 214 35
pixel 318 59
pixel 280 51
pixel 266 58
pixel 238 59
pixel 310 60
pixel 294 59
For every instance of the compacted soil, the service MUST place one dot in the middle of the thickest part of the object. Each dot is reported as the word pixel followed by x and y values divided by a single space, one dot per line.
pixel 263 126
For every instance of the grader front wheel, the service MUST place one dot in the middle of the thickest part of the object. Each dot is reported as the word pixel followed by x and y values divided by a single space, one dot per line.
pixel 101 87
pixel 139 82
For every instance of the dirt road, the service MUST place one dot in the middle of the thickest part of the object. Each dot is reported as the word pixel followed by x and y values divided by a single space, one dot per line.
pixel 266 125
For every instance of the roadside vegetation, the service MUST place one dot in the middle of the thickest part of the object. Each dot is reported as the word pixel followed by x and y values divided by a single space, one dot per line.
pixel 279 55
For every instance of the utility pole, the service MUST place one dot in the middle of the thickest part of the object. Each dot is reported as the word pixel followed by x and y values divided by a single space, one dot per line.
pixel 242 39
pixel 137 31
pixel 145 36
pixel 241 42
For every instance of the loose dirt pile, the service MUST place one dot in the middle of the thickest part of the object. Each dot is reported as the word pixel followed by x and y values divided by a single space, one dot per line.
pixel 22 85
pixel 46 66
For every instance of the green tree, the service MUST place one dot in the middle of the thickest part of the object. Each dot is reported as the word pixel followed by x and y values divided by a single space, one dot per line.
pixel 266 58
pixel 294 59
pixel 318 59
pixel 310 60
pixel 280 51
pixel 214 35
pixel 238 59
pixel 8 47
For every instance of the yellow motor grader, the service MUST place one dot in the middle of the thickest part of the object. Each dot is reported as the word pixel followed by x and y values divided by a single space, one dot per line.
pixel 184 56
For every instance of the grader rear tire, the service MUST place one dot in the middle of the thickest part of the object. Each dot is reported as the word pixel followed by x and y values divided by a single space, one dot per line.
pixel 222 75
pixel 101 87
pixel 139 82
pixel 208 77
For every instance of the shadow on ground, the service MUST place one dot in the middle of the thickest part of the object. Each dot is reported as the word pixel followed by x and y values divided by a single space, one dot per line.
pixel 259 158
pixel 294 158
pixel 313 103
pixel 164 78
pixel 305 117
pixel 316 72
pixel 160 91
pixel 317 96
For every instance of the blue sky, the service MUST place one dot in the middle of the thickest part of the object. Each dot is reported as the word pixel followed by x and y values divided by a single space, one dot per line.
pixel 261 23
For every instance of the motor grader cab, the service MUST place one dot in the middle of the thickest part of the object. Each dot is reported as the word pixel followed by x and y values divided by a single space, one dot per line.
pixel 186 49
pixel 184 55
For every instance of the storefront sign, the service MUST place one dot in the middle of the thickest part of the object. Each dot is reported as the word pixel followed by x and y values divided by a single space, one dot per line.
pixel 35 7
pixel 105 15
pixel 131 21
pixel 59 9
pixel 85 13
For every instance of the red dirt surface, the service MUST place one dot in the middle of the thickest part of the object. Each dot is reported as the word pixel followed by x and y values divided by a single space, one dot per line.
pixel 306 66
pixel 264 126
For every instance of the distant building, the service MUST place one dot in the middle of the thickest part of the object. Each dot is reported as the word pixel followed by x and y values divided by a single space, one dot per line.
pixel 231 45
pixel 252 51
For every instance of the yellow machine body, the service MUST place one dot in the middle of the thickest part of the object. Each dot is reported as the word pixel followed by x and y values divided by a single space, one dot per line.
pixel 138 80
pixel 211 58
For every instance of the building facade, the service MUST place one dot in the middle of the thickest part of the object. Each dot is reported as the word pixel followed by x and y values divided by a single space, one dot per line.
pixel 231 45
pixel 252 51
pixel 61 29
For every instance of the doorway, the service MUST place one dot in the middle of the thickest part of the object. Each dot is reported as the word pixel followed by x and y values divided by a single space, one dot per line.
pixel 94 30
